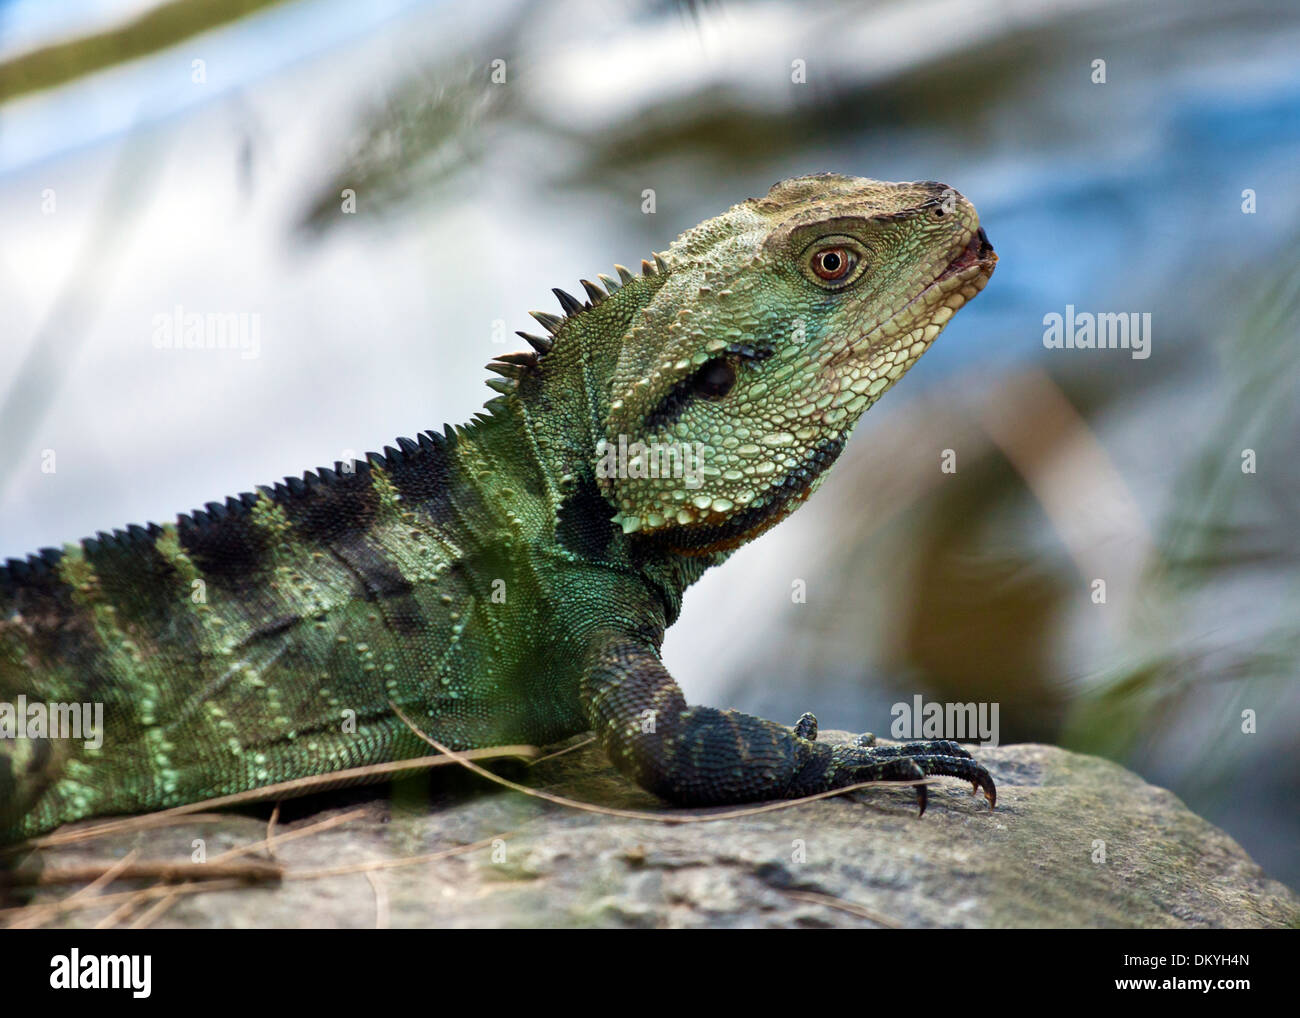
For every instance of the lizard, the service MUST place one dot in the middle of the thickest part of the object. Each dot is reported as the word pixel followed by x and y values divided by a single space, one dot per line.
pixel 508 580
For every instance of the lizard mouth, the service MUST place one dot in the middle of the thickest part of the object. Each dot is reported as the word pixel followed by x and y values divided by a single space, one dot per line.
pixel 973 265
pixel 978 252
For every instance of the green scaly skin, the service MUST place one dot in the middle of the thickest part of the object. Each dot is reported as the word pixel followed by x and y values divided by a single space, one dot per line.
pixel 492 581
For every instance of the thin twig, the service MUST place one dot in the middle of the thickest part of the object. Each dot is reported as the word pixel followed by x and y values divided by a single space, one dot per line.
pixel 200 887
pixel 149 870
pixel 45 911
pixel 154 911
pixel 158 910
pixel 116 916
pixel 104 876
pixel 270 831
pixel 158 891
pixel 830 901
pixel 108 875
pixel 281 839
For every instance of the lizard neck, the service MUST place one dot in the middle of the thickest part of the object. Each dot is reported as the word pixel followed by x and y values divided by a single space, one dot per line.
pixel 555 403
pixel 557 411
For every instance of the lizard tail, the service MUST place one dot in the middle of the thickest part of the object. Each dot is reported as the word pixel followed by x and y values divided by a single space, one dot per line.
pixel 35 614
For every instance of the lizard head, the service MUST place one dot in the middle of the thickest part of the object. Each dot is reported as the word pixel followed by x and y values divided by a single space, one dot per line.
pixel 775 326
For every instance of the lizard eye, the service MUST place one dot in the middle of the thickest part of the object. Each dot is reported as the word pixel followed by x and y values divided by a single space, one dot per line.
pixel 715 378
pixel 833 264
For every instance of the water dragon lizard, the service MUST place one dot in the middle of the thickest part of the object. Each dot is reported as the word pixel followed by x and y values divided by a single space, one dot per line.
pixel 507 581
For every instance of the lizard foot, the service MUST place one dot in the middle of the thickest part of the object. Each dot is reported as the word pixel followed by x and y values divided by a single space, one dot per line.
pixel 911 761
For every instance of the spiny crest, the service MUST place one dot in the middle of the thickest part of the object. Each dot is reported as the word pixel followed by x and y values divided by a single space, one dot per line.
pixel 39 566
pixel 292 493
pixel 515 366
pixel 296 489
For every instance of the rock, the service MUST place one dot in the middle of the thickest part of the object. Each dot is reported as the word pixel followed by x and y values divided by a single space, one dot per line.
pixel 1074 841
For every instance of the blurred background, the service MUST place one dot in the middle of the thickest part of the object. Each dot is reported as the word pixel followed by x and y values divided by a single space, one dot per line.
pixel 199 154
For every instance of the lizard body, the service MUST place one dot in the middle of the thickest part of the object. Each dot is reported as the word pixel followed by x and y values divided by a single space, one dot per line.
pixel 508 581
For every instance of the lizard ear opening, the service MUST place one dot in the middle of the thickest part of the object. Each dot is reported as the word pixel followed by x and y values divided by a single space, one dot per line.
pixel 715 378
pixel 711 381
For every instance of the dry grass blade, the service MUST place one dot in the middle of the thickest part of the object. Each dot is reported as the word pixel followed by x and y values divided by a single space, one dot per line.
pixel 560 752
pixel 635 814
pixel 280 790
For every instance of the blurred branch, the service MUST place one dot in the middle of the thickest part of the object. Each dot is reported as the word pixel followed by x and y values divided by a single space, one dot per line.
pixel 434 125
pixel 163 26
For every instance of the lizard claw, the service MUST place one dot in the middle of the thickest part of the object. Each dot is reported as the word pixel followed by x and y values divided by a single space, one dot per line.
pixel 966 767
pixel 912 761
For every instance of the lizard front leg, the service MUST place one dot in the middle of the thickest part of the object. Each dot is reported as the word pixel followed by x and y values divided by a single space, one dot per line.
pixel 700 756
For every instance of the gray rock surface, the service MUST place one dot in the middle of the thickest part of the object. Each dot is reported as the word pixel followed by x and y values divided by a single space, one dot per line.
pixel 864 859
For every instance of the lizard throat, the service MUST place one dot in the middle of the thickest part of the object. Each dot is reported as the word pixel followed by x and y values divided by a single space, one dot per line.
pixel 739 528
